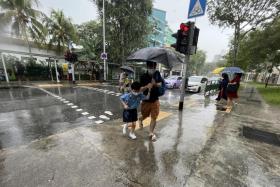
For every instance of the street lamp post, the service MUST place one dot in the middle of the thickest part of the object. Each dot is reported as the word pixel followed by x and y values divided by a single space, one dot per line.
pixel 104 43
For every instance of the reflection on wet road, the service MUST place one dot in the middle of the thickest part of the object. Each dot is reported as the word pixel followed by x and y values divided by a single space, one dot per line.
pixel 29 113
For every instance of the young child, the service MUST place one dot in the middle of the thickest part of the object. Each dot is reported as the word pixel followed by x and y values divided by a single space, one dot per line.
pixel 130 103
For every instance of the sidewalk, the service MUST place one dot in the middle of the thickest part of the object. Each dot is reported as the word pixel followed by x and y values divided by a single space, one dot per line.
pixel 43 84
pixel 197 147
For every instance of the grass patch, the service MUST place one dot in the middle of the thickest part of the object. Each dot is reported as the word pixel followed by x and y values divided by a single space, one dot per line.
pixel 271 94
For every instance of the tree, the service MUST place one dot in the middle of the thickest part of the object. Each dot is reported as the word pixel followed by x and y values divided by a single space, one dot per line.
pixel 261 47
pixel 197 62
pixel 23 19
pixel 90 37
pixel 243 15
pixel 127 26
pixel 61 31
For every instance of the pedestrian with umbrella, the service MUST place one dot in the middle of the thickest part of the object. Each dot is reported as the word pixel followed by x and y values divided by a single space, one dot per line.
pixel 152 56
pixel 125 80
pixel 151 106
pixel 232 90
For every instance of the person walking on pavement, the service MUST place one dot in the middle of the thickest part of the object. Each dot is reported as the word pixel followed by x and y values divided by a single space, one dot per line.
pixel 151 107
pixel 223 87
pixel 232 90
pixel 122 81
pixel 130 102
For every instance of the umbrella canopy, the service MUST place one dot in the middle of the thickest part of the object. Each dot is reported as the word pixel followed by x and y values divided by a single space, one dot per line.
pixel 232 70
pixel 218 70
pixel 127 68
pixel 161 55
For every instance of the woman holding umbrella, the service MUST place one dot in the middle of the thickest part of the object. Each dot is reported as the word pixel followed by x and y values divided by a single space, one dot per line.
pixel 232 89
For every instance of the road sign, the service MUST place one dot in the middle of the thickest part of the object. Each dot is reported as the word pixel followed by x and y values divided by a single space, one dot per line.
pixel 103 56
pixel 197 8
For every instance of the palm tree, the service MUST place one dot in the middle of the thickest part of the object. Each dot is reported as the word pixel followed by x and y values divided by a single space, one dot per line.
pixel 23 19
pixel 61 31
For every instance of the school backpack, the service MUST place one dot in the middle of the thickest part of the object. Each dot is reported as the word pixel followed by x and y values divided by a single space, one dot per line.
pixel 162 88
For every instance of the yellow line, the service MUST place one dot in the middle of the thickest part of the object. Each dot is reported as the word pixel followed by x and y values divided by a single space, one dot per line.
pixel 49 85
pixel 162 115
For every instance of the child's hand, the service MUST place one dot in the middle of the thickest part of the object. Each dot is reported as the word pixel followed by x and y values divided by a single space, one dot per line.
pixel 125 106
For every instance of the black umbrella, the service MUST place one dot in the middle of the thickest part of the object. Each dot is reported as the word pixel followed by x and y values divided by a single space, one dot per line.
pixel 165 56
pixel 127 68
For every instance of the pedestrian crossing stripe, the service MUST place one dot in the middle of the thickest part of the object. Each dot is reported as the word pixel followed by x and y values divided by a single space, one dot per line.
pixel 99 122
pixel 91 117
pixel 104 117
pixel 197 9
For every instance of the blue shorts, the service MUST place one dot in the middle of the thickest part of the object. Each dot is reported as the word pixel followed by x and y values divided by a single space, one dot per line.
pixel 130 115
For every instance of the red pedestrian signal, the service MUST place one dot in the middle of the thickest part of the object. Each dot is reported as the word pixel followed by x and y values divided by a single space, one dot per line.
pixel 183 37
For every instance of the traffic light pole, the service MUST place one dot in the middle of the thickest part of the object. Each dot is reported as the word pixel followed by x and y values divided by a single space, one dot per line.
pixel 187 60
pixel 104 42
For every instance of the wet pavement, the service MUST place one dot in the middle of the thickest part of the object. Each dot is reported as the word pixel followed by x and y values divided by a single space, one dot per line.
pixel 45 142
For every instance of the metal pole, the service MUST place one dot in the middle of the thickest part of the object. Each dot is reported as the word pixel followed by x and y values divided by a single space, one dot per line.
pixel 73 73
pixel 187 60
pixel 104 42
pixel 56 72
pixel 5 70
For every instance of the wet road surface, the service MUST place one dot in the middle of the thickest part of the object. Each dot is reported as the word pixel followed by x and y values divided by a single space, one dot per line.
pixel 29 113
pixel 47 143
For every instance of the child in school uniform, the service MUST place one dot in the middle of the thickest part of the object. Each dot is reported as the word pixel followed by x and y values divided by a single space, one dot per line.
pixel 130 102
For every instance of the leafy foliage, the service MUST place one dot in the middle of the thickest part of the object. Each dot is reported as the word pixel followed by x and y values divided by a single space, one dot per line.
pixel 23 19
pixel 261 46
pixel 90 35
pixel 243 15
pixel 60 31
pixel 197 62
pixel 127 26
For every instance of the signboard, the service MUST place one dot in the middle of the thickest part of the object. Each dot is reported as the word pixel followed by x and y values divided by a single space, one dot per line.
pixel 103 56
pixel 197 8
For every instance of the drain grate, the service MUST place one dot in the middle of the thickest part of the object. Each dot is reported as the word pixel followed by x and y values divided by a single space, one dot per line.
pixel 262 136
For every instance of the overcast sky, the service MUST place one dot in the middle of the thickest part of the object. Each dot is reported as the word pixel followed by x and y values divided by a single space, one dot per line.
pixel 212 39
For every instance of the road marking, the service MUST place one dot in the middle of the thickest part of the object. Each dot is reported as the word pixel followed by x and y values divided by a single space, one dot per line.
pixel 70 104
pixel 104 117
pixel 85 113
pixel 161 116
pixel 75 106
pixel 99 122
pixel 66 102
pixel 78 110
pixel 91 117
pixel 109 113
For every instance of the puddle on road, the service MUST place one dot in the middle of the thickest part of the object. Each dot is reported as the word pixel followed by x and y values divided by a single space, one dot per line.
pixel 262 136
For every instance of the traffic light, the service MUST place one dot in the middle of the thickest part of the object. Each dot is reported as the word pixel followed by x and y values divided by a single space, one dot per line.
pixel 182 38
pixel 70 56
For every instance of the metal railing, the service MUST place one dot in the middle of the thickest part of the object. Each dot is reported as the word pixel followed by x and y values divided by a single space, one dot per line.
pixel 211 88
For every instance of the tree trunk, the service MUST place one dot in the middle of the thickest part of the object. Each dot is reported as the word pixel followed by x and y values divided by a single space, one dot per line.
pixel 267 80
pixel 27 40
pixel 236 42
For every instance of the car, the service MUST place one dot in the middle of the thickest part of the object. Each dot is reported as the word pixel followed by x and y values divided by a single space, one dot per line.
pixel 173 81
pixel 196 83
pixel 2 75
